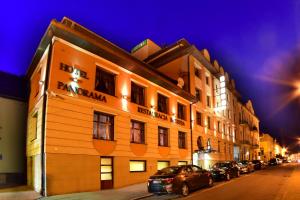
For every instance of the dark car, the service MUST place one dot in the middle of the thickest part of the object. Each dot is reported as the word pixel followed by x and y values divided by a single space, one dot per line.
pixel 258 164
pixel 179 179
pixel 225 170
pixel 273 162
pixel 246 166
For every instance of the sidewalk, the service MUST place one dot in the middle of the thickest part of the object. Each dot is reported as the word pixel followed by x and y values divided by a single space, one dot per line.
pixel 136 191
pixel 18 193
pixel 292 189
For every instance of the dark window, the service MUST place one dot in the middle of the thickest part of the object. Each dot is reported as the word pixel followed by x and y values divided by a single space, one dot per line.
pixel 219 149
pixel 103 126
pixel 208 122
pixel 208 101
pixel 199 118
pixel 181 140
pixel 207 80
pixel 180 111
pixel 198 94
pixel 162 103
pixel 105 81
pixel 197 72
pixel 224 147
pixel 163 136
pixel 219 126
pixel 137 94
pixel 137 132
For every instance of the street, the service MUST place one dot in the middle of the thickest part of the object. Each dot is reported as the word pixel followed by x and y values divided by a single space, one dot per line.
pixel 273 183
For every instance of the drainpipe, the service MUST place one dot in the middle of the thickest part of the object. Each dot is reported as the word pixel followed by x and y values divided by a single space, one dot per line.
pixel 43 131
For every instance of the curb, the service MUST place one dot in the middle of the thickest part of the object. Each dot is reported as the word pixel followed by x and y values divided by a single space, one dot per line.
pixel 142 197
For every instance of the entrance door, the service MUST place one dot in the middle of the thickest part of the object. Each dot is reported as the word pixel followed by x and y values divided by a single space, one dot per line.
pixel 106 172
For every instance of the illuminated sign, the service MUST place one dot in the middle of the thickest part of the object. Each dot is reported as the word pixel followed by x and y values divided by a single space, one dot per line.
pixel 74 71
pixel 152 113
pixel 221 94
pixel 80 91
pixel 177 121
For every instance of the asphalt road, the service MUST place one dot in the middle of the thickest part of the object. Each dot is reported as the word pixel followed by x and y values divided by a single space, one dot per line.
pixel 267 184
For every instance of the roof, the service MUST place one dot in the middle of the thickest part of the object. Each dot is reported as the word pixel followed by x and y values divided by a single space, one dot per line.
pixel 86 39
pixel 13 87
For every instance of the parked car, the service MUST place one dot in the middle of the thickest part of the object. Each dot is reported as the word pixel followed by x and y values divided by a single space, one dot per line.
pixel 273 161
pixel 179 179
pixel 225 170
pixel 258 164
pixel 246 166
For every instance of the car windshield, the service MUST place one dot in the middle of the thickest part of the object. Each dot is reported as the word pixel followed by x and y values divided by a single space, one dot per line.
pixel 245 162
pixel 220 165
pixel 168 171
pixel 255 161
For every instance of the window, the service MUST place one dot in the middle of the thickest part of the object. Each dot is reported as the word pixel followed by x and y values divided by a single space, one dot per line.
pixel 34 126
pixel 224 129
pixel 198 94
pixel 137 94
pixel 105 82
pixel 208 144
pixel 208 122
pixel 219 126
pixel 182 163
pixel 199 118
pixel 181 140
pixel 219 149
pixel 224 147
pixel 106 168
pixel 103 126
pixel 197 72
pixel 163 136
pixel 137 132
pixel 137 165
pixel 162 164
pixel 208 101
pixel 162 103
pixel 207 80
pixel 180 111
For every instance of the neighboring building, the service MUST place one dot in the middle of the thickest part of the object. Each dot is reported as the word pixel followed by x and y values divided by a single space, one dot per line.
pixel 247 138
pixel 267 147
pixel 13 109
pixel 102 118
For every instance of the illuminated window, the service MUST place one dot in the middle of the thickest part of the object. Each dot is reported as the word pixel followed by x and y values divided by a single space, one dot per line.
pixel 199 118
pixel 137 132
pixel 163 136
pixel 197 72
pixel 182 163
pixel 105 81
pixel 180 111
pixel 103 126
pixel 137 94
pixel 106 168
pixel 181 140
pixel 137 165
pixel 162 164
pixel 162 103
pixel 198 94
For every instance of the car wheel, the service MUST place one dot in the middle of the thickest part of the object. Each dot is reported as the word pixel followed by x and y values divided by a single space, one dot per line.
pixel 210 182
pixel 227 177
pixel 238 174
pixel 185 190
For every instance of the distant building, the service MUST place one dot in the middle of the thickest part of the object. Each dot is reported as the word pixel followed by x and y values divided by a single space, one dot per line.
pixel 267 147
pixel 13 109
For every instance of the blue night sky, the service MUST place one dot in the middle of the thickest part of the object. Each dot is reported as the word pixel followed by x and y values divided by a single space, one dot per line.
pixel 252 40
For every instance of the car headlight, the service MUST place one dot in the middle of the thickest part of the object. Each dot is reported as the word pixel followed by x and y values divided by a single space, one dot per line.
pixel 222 171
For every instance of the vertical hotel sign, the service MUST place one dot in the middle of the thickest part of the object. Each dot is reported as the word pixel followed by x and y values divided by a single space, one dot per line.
pixel 222 95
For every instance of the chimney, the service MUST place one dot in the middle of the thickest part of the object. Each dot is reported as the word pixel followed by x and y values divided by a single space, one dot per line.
pixel 144 49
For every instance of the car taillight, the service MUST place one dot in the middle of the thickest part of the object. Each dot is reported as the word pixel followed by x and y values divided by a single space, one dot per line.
pixel 168 180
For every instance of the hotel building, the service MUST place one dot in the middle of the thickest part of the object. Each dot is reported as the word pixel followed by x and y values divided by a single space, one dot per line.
pixel 100 117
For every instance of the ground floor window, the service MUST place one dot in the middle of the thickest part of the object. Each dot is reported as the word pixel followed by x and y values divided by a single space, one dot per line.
pixel 137 165
pixel 162 164
pixel 182 162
